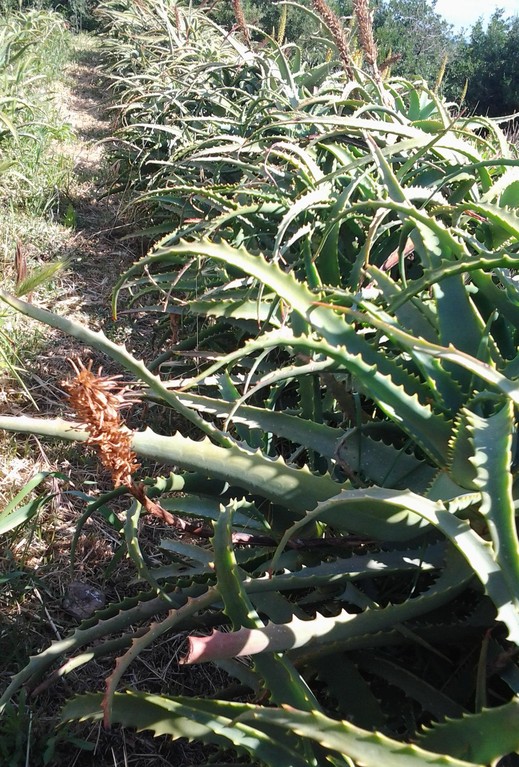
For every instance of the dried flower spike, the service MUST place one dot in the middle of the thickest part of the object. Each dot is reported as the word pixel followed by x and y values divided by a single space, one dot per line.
pixel 333 23
pixel 366 39
pixel 240 19
pixel 97 400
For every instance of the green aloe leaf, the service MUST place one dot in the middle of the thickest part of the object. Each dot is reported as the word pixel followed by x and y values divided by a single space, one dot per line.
pixel 246 514
pixel 500 217
pixel 281 679
pixel 315 436
pixel 322 630
pixel 483 738
pixel 480 554
pixel 271 478
pixel 483 370
pixel 254 729
pixel 366 748
pixel 207 721
pixel 458 322
pixel 432 700
pixel 492 458
pixel 399 393
pixel 355 699
pixel 468 263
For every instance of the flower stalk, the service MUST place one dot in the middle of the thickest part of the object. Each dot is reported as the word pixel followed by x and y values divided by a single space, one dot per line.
pixel 366 39
pixel 333 23
pixel 240 19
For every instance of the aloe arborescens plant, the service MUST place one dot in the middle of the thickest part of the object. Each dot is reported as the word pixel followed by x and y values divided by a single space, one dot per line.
pixel 355 400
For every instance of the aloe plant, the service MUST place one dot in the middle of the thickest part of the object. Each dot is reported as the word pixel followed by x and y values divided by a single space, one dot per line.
pixel 351 275
pixel 380 513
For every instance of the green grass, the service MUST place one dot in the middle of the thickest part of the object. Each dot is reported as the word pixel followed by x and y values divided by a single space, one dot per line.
pixel 34 50
pixel 36 47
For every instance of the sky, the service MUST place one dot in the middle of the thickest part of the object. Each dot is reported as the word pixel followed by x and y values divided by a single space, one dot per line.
pixel 463 13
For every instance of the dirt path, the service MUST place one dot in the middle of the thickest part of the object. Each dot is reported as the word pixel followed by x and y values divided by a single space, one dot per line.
pixel 95 254
pixel 82 291
pixel 99 257
pixel 84 107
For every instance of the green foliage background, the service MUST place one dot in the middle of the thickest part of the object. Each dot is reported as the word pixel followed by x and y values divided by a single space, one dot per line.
pixel 487 60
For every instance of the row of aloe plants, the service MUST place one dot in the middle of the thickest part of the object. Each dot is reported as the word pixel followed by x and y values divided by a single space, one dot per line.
pixel 337 316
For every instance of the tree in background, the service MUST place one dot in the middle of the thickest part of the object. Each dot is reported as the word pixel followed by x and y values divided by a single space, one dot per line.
pixel 414 31
pixel 488 61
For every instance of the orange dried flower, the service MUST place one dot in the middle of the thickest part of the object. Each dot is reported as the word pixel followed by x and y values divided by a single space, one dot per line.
pixel 97 401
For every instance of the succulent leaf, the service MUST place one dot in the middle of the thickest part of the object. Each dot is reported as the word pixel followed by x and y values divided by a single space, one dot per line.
pixel 481 738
